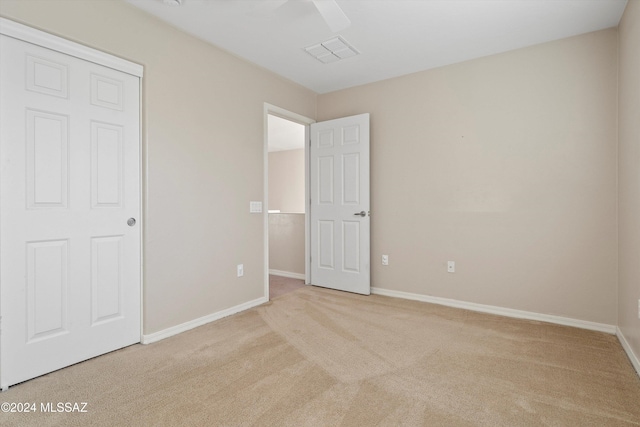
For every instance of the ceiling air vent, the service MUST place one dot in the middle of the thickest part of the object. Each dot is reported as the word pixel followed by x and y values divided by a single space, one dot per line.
pixel 332 50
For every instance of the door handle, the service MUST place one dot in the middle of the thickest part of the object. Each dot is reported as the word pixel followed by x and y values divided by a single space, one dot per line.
pixel 362 214
pixel 131 222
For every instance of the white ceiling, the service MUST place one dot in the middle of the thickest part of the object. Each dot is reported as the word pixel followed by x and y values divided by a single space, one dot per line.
pixel 394 37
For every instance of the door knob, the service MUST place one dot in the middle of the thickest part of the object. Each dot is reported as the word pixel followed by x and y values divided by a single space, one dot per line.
pixel 362 214
pixel 131 222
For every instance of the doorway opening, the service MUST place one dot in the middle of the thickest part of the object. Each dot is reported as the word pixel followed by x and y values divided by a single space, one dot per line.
pixel 286 199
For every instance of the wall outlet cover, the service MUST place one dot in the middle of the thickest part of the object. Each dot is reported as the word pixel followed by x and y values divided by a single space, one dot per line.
pixel 451 266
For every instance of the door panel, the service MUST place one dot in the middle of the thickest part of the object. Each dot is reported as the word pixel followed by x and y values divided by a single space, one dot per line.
pixel 47 282
pixel 106 278
pixel 351 179
pixel 106 165
pixel 339 162
pixel 47 160
pixel 351 246
pixel 326 256
pixel 47 77
pixel 69 154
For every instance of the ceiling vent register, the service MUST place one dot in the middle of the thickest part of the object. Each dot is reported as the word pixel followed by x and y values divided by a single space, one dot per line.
pixel 332 50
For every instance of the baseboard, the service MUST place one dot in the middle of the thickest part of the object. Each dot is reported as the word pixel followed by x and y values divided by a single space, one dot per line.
pixel 175 330
pixel 635 361
pixel 287 274
pixel 501 311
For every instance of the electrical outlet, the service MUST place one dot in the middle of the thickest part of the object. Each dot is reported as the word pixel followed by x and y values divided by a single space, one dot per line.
pixel 451 266
pixel 240 270
pixel 385 259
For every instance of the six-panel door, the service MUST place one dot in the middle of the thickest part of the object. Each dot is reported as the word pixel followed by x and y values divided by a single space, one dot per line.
pixel 70 181
pixel 340 223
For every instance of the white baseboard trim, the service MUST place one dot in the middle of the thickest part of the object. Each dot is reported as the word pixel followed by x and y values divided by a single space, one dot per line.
pixel 175 330
pixel 287 274
pixel 501 311
pixel 635 361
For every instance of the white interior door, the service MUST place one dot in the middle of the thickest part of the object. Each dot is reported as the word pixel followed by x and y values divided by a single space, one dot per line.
pixel 70 145
pixel 340 222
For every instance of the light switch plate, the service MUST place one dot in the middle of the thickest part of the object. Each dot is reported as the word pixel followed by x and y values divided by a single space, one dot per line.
pixel 255 207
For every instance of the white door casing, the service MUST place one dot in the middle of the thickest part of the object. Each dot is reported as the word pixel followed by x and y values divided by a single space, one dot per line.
pixel 70 157
pixel 270 109
pixel 340 204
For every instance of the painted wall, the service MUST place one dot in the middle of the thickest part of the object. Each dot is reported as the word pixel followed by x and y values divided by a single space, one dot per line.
pixel 203 125
pixel 286 180
pixel 286 242
pixel 286 193
pixel 504 164
pixel 629 176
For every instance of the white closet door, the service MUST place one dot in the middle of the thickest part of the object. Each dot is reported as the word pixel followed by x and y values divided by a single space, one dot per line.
pixel 70 182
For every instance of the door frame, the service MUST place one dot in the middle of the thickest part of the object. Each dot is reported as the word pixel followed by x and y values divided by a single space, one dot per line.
pixel 31 35
pixel 274 110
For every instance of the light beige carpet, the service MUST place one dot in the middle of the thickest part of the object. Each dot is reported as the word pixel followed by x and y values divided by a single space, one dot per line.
pixel 315 357
pixel 279 285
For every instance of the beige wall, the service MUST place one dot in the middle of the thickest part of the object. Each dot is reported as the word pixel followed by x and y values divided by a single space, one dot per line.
pixel 504 164
pixel 629 176
pixel 286 242
pixel 203 124
pixel 286 180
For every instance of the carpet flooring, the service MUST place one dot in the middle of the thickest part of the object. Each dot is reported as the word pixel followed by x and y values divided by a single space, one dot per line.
pixel 317 357
pixel 279 285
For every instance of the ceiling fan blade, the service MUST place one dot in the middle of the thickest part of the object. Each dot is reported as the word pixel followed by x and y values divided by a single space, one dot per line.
pixel 332 14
